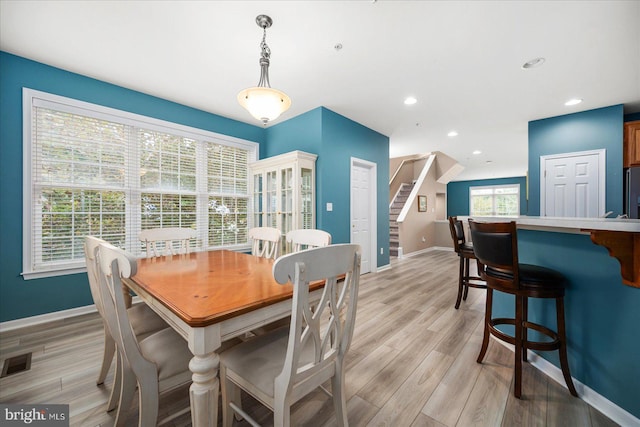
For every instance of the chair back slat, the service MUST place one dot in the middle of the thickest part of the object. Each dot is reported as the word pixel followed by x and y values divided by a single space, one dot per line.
pixel 456 229
pixel 265 241
pixel 321 331
pixel 167 241
pixel 113 265
pixel 91 244
pixel 307 239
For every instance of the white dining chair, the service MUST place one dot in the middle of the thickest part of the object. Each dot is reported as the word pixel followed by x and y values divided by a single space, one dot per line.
pixel 144 321
pixel 284 365
pixel 157 363
pixel 167 241
pixel 307 238
pixel 265 241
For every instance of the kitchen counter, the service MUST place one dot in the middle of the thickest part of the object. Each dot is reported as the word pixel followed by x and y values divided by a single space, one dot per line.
pixel 570 225
pixel 620 236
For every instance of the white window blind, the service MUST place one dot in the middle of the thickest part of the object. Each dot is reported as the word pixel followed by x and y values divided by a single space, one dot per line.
pixel 90 170
pixel 228 203
pixel 498 200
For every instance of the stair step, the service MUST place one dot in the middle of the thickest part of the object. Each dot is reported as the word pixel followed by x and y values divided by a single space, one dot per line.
pixel 394 211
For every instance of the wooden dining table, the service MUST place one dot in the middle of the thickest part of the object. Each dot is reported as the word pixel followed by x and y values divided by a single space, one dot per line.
pixel 208 298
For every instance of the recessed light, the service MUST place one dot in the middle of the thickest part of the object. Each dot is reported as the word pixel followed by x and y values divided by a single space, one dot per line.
pixel 574 101
pixel 477 152
pixel 536 62
pixel 410 100
pixel 452 133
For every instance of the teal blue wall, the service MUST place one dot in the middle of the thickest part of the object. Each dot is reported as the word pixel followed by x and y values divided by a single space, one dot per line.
pixel 458 193
pixel 335 139
pixel 602 314
pixel 588 130
pixel 342 139
pixel 303 132
pixel 20 298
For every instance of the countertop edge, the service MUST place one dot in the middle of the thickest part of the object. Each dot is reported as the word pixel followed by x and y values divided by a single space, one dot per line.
pixel 569 225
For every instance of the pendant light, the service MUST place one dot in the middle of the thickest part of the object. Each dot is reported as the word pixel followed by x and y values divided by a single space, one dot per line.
pixel 263 102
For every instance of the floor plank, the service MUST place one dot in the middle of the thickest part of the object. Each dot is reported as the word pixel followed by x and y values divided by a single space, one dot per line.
pixel 412 362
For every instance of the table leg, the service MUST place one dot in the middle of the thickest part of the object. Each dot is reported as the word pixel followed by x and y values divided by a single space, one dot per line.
pixel 204 390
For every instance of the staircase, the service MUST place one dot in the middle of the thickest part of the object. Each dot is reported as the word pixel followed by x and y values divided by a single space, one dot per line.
pixel 394 211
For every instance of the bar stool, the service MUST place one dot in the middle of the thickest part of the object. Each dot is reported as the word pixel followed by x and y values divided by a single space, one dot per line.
pixel 465 252
pixel 496 247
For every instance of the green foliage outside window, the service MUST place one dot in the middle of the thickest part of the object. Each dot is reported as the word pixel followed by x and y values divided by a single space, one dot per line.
pixel 495 201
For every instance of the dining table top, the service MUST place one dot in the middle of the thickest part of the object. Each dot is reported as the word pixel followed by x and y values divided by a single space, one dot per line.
pixel 203 288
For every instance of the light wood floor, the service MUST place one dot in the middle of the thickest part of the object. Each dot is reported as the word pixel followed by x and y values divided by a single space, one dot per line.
pixel 411 363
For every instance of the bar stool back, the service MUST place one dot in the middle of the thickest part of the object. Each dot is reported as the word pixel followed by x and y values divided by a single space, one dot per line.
pixel 496 247
pixel 465 252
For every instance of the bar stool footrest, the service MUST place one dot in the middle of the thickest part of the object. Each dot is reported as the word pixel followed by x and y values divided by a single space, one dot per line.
pixel 527 344
pixel 467 280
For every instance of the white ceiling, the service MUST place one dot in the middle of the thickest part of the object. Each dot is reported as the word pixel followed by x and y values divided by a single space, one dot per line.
pixel 461 60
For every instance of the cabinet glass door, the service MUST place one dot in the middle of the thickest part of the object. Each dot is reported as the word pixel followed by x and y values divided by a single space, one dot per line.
pixel 286 205
pixel 257 200
pixel 271 200
pixel 306 195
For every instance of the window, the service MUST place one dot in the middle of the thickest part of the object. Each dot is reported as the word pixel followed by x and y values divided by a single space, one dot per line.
pixel 497 200
pixel 92 170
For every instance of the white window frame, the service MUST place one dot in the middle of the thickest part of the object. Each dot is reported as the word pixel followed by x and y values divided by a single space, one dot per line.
pixel 493 187
pixel 33 98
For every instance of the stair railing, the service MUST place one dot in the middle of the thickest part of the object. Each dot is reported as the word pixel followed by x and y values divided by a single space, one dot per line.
pixel 416 188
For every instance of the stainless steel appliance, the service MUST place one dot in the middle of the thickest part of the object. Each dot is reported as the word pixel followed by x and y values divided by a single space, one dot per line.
pixel 632 192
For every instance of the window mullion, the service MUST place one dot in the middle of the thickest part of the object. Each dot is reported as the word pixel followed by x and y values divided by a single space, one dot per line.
pixel 35 210
pixel 132 186
pixel 202 195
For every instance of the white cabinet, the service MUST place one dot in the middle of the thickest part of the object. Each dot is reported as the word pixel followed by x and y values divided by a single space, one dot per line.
pixel 283 192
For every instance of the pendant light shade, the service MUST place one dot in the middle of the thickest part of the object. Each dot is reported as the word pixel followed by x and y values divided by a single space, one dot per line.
pixel 263 102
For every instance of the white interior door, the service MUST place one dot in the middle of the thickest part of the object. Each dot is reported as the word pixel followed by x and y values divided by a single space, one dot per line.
pixel 573 184
pixel 363 212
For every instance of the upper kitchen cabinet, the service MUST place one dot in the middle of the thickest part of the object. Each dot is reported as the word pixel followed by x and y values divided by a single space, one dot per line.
pixel 631 150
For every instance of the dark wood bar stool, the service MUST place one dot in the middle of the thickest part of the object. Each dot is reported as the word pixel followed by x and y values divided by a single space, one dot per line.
pixel 496 247
pixel 464 250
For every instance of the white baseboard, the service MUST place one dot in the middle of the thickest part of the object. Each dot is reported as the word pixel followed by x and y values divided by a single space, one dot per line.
pixel 442 248
pixel 45 318
pixel 51 317
pixel 602 404
pixel 383 268
pixel 422 251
